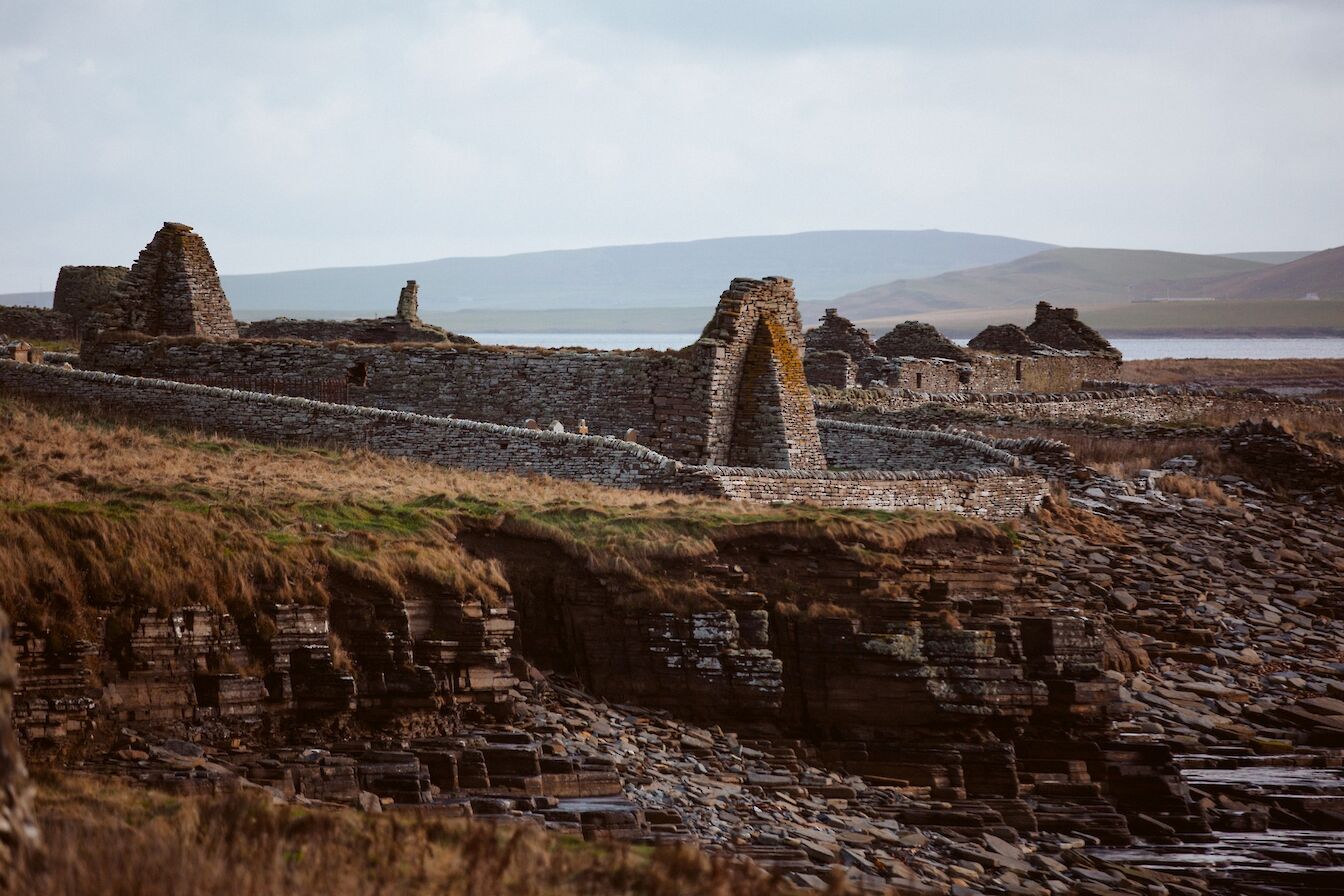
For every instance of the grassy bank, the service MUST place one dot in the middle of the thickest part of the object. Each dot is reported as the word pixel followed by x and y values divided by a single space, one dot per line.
pixel 106 837
pixel 98 516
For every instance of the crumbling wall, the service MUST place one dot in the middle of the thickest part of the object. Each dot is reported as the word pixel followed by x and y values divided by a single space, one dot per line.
pixel 915 339
pixel 612 391
pixel 1060 328
pixel 172 289
pixel 405 326
pixel 830 368
pixel 81 288
pixel 23 322
pixel 839 334
pixel 738 395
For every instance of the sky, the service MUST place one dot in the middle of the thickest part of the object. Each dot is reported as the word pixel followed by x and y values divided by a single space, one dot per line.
pixel 321 133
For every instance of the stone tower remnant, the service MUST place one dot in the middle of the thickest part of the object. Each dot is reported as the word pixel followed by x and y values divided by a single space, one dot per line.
pixel 172 289
pixel 408 304
pixel 82 288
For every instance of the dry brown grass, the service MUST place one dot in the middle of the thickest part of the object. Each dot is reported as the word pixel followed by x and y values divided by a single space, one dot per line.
pixel 97 516
pixel 1234 372
pixel 1188 486
pixel 105 837
pixel 1059 514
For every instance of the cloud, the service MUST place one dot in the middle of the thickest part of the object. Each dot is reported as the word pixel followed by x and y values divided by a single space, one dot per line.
pixel 295 136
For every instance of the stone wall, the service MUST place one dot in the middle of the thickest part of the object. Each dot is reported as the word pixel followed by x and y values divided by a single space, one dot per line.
pixel 737 395
pixel 405 326
pixel 612 391
pixel 983 491
pixel 1135 405
pixel 19 839
pixel 367 331
pixel 81 288
pixel 838 334
pixel 173 289
pixel 23 322
pixel 857 446
pixel 831 368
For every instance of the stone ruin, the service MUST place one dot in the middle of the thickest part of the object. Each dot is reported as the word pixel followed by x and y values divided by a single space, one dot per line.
pixel 404 326
pixel 914 339
pixel 1057 353
pixel 1006 339
pixel 760 408
pixel 172 289
pixel 1060 328
pixel 408 303
pixel 82 288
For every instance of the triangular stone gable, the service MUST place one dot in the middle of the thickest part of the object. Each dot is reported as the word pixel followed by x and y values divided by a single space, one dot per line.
pixel 760 409
pixel 172 289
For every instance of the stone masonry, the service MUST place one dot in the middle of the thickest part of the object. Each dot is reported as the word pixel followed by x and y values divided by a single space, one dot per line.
pixel 172 289
pixel 82 288
pixel 982 485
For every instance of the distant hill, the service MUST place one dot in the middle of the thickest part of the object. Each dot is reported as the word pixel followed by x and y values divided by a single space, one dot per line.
pixel 1267 257
pixel 1321 273
pixel 823 264
pixel 36 299
pixel 1065 276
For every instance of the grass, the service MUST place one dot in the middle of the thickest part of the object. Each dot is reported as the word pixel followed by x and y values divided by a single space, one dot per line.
pixel 1234 371
pixel 104 836
pixel 100 517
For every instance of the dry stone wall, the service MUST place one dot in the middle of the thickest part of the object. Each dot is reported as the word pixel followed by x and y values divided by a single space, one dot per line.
pixel 23 322
pixel 612 391
pixel 491 447
pixel 737 395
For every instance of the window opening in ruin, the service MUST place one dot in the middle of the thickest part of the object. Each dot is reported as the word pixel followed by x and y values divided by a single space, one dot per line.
pixel 919 381
pixel 964 377
pixel 358 375
pixel 1018 371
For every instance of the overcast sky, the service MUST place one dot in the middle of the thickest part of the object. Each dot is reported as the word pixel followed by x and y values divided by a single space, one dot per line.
pixel 306 134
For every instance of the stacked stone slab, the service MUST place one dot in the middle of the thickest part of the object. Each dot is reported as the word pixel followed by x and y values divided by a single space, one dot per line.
pixel 915 339
pixel 837 333
pixel 1006 339
pixel 760 408
pixel 19 839
pixel 1060 328
pixel 82 288
pixel 172 289
pixel 405 326
pixel 25 322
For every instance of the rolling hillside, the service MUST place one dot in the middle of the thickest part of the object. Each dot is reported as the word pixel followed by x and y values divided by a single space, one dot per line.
pixel 1069 276
pixel 1321 273
pixel 823 264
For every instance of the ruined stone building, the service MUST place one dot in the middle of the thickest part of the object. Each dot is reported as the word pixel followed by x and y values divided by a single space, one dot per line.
pixel 404 326
pixel 1057 353
pixel 730 415
pixel 172 289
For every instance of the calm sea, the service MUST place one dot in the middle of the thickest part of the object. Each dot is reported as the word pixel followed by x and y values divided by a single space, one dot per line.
pixel 1134 349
